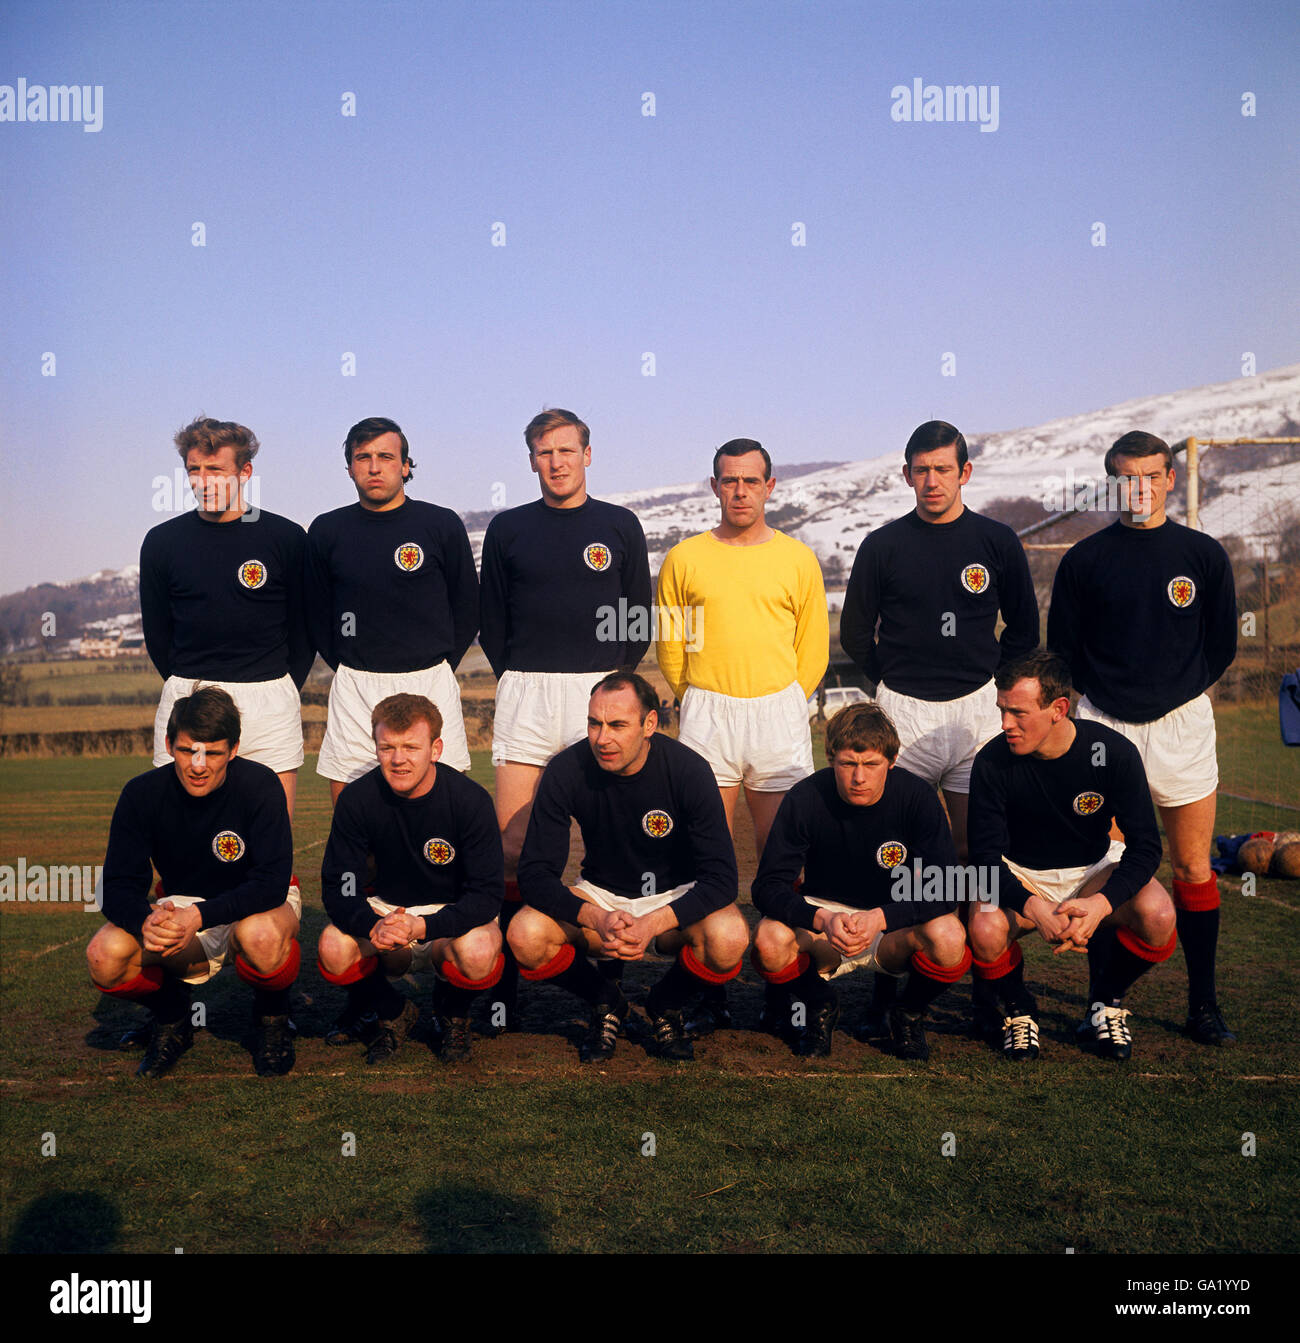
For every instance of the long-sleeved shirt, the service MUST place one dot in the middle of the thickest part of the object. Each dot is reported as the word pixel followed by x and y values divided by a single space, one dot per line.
pixel 1047 814
pixel 644 833
pixel 936 590
pixel 849 853
pixel 1145 617
pixel 440 849
pixel 743 621
pixel 231 847
pixel 564 589
pixel 391 591
pixel 223 601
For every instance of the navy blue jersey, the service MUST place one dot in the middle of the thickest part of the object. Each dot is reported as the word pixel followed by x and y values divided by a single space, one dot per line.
pixel 391 591
pixel 233 847
pixel 849 854
pixel 565 589
pixel 440 849
pixel 936 590
pixel 1046 814
pixel 223 601
pixel 1146 618
pixel 643 833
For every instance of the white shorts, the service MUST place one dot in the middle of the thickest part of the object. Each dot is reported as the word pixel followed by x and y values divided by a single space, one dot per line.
pixel 1177 750
pixel 941 737
pixel 763 742
pixel 420 951
pixel 216 941
pixel 1063 883
pixel 864 960
pixel 270 719
pixel 348 750
pixel 538 714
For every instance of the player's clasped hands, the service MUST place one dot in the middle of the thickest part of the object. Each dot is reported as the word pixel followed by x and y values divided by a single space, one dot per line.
pixel 398 929
pixel 168 930
pixel 1083 915
pixel 625 936
pixel 850 934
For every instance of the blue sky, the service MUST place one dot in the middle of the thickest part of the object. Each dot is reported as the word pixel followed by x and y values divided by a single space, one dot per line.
pixel 625 234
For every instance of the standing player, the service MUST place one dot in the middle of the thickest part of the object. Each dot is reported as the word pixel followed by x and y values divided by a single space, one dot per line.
pixel 221 601
pixel 744 640
pixel 1144 612
pixel 565 584
pixel 392 600
pixel 216 828
pixel 659 868
pixel 432 838
pixel 853 829
pixel 1043 795
pixel 935 581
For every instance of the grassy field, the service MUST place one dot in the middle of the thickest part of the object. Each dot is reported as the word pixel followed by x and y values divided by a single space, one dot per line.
pixel 521 1148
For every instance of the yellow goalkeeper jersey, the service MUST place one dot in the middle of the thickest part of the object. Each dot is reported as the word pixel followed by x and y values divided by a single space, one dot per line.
pixel 742 620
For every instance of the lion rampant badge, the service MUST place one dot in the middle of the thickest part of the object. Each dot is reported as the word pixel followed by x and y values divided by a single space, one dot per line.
pixel 597 556
pixel 1087 803
pixel 657 824
pixel 891 853
pixel 408 556
pixel 1182 591
pixel 439 852
pixel 975 578
pixel 228 846
pixel 252 573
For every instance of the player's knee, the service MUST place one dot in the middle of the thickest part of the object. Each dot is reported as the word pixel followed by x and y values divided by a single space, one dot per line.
pixel 988 933
pixel 262 943
pixel 1156 916
pixel 109 955
pixel 476 952
pixel 1192 871
pixel 532 937
pixel 726 937
pixel 336 950
pixel 774 944
pixel 944 939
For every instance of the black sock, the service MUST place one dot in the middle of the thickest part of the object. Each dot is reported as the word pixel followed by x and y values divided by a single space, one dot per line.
pixel 589 984
pixel 920 991
pixel 1120 972
pixel 378 997
pixel 270 1002
pixel 811 989
pixel 450 1000
pixel 672 993
pixel 612 970
pixel 1100 947
pixel 776 1001
pixel 1198 931
pixel 172 1001
pixel 884 991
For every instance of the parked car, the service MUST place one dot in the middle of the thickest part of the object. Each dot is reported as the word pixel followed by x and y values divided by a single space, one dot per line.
pixel 837 698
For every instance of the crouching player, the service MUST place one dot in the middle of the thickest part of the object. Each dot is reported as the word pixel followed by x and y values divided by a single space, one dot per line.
pixel 856 830
pixel 659 869
pixel 216 828
pixel 1043 796
pixel 431 835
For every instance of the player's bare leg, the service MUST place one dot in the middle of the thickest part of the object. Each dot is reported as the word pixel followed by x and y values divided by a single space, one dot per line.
pixel 336 787
pixel 729 796
pixel 1190 832
pixel 762 810
pixel 958 804
pixel 289 782
pixel 514 794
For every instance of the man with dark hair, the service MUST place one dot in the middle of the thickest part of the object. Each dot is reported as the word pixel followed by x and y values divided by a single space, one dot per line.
pixel 392 599
pixel 744 682
pixel 216 828
pixel 221 601
pixel 564 598
pixel 658 871
pixel 1146 592
pixel 433 903
pixel 920 618
pixel 857 830
pixel 1043 796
